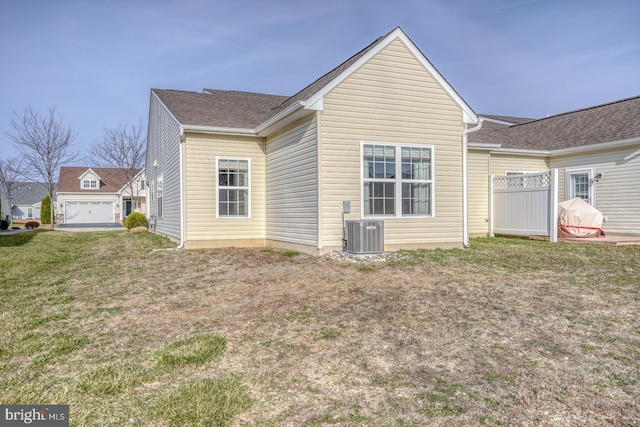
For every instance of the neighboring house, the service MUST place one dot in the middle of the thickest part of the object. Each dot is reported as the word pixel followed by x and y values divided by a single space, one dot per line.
pixel 98 195
pixel 596 151
pixel 383 131
pixel 26 199
pixel 5 206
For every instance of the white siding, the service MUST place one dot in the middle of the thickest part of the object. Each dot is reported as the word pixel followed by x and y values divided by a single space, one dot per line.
pixel 617 194
pixel 163 158
pixel 292 185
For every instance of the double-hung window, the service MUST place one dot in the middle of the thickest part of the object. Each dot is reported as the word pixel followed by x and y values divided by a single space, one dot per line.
pixel 397 180
pixel 233 188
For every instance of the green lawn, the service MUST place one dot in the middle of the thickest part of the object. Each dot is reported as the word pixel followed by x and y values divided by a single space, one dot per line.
pixel 509 332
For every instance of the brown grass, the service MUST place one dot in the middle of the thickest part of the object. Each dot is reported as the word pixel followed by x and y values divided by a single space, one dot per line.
pixel 506 333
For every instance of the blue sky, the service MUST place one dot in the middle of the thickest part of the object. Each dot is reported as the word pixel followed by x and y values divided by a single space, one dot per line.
pixel 96 61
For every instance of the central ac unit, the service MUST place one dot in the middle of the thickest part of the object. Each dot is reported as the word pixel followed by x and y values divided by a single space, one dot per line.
pixel 365 237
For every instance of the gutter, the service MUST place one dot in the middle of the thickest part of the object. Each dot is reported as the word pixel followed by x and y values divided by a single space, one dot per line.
pixel 282 114
pixel 497 148
pixel 465 196
pixel 217 130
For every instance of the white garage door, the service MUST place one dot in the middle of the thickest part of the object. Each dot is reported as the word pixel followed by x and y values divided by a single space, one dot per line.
pixel 86 212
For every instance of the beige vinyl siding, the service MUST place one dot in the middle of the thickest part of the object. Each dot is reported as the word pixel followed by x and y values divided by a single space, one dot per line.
pixel 391 99
pixel 292 185
pixel 617 194
pixel 478 190
pixel 502 163
pixel 201 188
pixel 163 158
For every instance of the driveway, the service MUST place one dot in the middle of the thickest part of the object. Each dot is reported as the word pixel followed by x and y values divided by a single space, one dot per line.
pixel 103 226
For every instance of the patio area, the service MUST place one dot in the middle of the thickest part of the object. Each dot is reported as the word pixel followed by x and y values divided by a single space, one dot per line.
pixel 608 240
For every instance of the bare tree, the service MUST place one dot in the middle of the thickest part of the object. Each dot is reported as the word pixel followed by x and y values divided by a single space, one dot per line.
pixel 10 173
pixel 122 147
pixel 44 143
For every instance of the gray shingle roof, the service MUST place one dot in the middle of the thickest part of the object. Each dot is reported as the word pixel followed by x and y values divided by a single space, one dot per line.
pixel 614 121
pixel 220 108
pixel 244 110
pixel 29 193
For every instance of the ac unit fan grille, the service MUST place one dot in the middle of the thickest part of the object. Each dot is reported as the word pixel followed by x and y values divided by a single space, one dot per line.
pixel 365 236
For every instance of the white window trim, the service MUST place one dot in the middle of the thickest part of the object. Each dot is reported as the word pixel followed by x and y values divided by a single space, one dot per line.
pixel 569 193
pixel 86 184
pixel 217 189
pixel 398 181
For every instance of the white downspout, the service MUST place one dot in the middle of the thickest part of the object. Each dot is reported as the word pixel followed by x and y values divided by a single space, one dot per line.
pixel 465 195
pixel 182 240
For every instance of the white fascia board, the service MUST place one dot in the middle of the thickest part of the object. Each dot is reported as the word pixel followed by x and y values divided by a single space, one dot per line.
pixel 468 115
pixel 593 147
pixel 483 146
pixel 544 153
pixel 218 130
pixel 268 126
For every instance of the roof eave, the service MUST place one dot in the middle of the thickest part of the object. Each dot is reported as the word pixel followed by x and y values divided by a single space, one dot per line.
pixel 284 117
pixel 131 180
pixel 220 130
pixel 481 145
pixel 600 146
pixel 543 153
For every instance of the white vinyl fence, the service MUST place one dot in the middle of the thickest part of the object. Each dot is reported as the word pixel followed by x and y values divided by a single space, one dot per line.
pixel 525 205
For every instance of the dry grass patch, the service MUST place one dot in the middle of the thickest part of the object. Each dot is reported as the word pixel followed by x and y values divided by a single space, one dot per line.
pixel 509 332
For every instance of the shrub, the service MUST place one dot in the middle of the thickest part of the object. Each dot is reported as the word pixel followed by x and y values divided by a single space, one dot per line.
pixel 29 225
pixel 45 210
pixel 4 224
pixel 135 219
